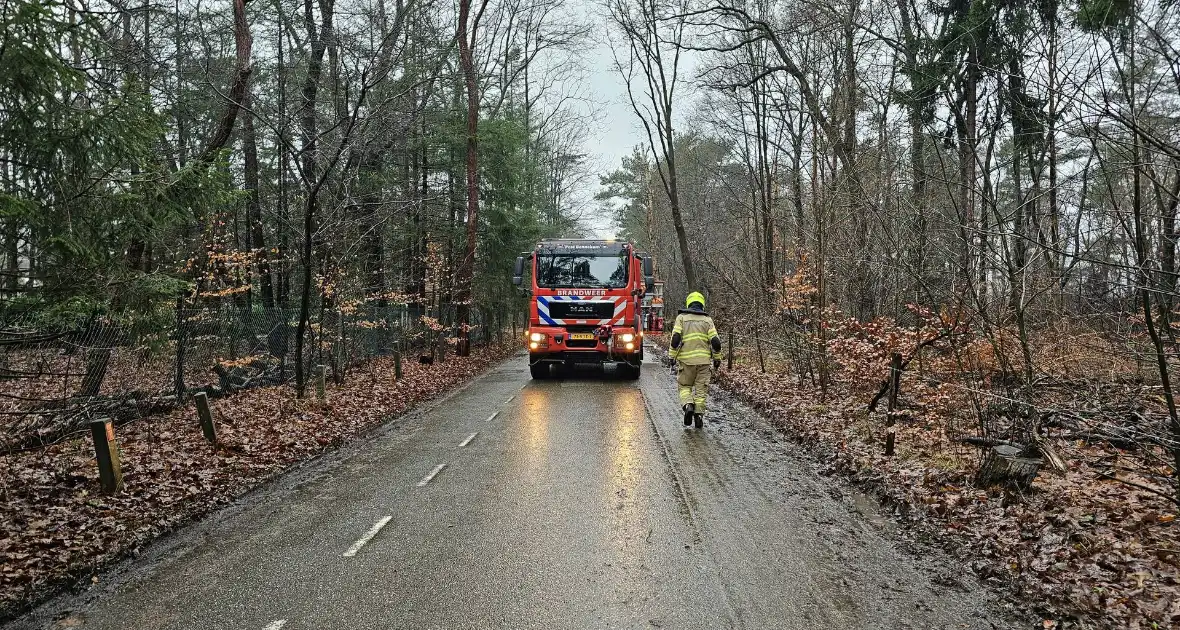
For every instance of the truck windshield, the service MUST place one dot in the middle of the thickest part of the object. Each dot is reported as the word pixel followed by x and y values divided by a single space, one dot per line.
pixel 582 271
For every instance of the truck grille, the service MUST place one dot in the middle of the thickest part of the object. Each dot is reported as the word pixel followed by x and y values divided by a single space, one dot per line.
pixel 581 309
pixel 581 343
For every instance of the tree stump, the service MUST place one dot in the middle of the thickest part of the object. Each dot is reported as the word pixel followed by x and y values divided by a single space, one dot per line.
pixel 1005 465
pixel 97 361
pixel 276 340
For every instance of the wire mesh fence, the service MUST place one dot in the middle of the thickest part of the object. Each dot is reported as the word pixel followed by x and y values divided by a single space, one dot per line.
pixel 54 379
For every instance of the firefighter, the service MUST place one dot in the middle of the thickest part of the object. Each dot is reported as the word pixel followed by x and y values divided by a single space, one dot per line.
pixel 695 344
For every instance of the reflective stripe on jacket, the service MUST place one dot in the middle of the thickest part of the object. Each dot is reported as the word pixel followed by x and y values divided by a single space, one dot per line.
pixel 696 334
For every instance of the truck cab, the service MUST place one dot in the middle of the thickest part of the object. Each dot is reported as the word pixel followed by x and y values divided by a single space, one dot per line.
pixel 585 304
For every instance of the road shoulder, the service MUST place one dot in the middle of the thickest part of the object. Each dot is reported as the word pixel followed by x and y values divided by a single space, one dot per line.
pixel 743 476
pixel 132 543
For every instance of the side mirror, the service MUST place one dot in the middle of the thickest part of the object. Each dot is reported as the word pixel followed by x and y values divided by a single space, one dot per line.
pixel 649 276
pixel 518 271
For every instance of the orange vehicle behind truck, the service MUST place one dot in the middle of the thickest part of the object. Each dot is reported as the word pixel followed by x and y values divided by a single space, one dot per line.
pixel 585 304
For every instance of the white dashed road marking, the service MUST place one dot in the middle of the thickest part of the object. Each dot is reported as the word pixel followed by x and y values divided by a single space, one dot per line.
pixel 276 625
pixel 356 546
pixel 430 475
pixel 468 440
pixel 492 417
pixel 509 399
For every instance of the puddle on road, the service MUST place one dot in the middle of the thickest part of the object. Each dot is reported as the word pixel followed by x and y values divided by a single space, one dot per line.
pixel 607 380
pixel 503 377
pixel 868 509
pixel 732 414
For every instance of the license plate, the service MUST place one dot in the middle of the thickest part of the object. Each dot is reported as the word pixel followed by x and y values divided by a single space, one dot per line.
pixel 581 336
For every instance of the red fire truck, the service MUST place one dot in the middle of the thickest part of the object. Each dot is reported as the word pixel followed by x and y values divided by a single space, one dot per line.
pixel 585 305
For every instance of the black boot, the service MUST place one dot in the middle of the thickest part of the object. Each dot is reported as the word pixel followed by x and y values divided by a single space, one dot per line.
pixel 699 420
pixel 689 408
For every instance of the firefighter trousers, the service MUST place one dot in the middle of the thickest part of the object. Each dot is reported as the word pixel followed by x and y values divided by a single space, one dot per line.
pixel 693 382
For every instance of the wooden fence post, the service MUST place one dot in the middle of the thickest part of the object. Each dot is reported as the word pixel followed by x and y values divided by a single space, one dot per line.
pixel 106 452
pixel 342 355
pixel 894 386
pixel 729 353
pixel 205 416
pixel 397 364
pixel 761 357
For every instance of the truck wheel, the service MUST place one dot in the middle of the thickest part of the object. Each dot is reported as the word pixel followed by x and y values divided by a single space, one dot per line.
pixel 540 371
pixel 629 372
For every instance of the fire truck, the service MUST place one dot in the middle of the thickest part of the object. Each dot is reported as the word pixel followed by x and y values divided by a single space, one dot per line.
pixel 585 304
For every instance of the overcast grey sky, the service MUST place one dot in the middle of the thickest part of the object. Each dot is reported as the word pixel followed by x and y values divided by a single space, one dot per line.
pixel 616 130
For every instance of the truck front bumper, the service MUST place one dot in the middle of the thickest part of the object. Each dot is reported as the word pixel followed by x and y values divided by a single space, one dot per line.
pixel 570 358
pixel 554 345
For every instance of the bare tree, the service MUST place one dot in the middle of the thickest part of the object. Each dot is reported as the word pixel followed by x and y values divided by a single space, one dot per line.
pixel 654 31
pixel 468 37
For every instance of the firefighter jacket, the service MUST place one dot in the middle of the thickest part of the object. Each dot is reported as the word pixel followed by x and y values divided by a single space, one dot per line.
pixel 694 338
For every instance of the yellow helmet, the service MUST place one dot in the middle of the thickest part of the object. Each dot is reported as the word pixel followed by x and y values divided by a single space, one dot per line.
pixel 695 296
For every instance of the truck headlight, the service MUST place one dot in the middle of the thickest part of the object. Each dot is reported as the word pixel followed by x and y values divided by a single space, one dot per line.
pixel 627 337
pixel 537 337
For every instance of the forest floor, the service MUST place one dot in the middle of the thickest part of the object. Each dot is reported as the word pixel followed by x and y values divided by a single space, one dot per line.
pixel 1079 549
pixel 59 531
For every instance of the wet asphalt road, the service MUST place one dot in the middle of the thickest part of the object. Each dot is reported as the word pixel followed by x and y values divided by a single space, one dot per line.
pixel 581 503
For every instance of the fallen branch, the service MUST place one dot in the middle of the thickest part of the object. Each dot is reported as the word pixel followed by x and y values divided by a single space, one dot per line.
pixel 50 427
pixel 885 383
pixel 1113 476
pixel 1117 441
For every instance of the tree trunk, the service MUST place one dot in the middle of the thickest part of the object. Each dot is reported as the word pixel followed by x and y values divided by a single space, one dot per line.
pixel 254 205
pixel 238 86
pixel 968 232
pixel 310 170
pixel 463 295
pixel 690 277
pixel 283 299
pixel 12 256
pixel 1058 255
pixel 1144 280
pixel 419 267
